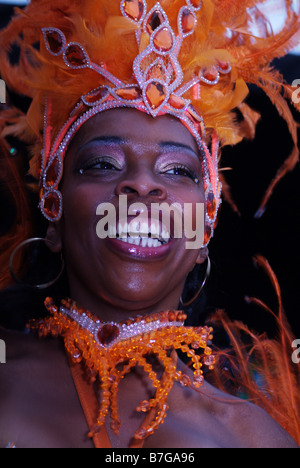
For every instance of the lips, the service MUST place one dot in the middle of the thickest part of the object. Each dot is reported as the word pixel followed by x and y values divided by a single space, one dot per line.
pixel 141 238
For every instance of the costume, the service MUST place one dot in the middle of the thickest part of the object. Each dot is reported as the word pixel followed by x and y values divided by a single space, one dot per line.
pixel 190 59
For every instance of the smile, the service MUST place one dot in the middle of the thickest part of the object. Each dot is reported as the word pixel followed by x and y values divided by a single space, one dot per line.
pixel 141 234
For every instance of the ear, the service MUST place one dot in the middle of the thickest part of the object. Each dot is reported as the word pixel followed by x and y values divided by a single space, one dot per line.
pixel 54 238
pixel 202 256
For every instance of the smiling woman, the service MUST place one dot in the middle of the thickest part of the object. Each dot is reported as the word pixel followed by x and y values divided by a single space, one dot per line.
pixel 130 102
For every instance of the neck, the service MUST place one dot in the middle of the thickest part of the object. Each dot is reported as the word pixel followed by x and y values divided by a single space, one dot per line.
pixel 110 309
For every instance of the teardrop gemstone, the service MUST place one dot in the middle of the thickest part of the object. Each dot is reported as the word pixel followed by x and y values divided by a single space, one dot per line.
pixel 76 56
pixel 52 205
pixel 108 333
pixel 54 40
pixel 188 21
pixel 155 20
pixel 224 67
pixel 156 94
pixel 210 74
pixel 95 96
pixel 134 9
pixel 163 40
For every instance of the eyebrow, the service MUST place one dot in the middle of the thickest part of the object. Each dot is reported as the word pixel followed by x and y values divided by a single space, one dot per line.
pixel 173 146
pixel 105 139
pixel 167 145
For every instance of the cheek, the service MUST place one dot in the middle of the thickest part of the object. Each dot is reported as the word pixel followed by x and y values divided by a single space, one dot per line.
pixel 80 203
pixel 192 205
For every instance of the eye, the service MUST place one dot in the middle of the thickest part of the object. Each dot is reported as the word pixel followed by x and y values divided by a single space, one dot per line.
pixel 183 171
pixel 103 164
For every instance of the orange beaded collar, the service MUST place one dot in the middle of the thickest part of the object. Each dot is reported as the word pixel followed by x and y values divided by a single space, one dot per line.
pixel 109 351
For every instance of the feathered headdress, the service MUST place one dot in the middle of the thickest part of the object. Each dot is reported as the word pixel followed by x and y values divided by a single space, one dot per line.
pixel 188 58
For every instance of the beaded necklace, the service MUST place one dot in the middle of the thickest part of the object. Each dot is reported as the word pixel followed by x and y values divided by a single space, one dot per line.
pixel 110 350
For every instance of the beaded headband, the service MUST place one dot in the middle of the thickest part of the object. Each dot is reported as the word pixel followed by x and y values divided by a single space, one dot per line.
pixel 190 59
pixel 157 88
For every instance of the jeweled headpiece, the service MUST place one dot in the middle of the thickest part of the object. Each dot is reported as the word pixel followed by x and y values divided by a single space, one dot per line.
pixel 187 58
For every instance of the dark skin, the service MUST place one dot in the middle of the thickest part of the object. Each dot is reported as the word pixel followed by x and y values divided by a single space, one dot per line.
pixel 36 385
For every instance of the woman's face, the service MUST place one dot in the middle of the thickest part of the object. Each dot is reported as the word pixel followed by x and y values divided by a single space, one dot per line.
pixel 126 152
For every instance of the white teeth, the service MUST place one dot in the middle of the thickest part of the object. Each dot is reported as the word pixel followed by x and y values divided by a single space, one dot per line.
pixel 144 242
pixel 139 233
pixel 141 241
pixel 140 229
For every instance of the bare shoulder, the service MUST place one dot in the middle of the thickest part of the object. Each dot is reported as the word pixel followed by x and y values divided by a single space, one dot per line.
pixel 254 426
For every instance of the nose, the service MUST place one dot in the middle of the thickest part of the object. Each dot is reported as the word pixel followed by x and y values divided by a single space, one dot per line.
pixel 142 183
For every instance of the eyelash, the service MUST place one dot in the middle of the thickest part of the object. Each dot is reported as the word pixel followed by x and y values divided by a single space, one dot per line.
pixel 187 172
pixel 98 161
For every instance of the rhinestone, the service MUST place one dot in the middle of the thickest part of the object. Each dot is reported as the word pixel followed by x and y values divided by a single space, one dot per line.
pixel 156 94
pixel 108 333
pixel 211 205
pixel 53 173
pixel 210 74
pixel 76 56
pixel 52 205
pixel 155 20
pixel 54 40
pixel 177 102
pixel 95 96
pixel 129 94
pixel 163 40
pixel 224 67
pixel 134 9
pixel 188 21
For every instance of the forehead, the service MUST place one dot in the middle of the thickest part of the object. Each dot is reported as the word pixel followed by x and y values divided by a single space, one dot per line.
pixel 135 126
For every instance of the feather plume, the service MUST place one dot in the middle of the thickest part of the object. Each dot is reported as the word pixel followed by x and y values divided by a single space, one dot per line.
pixel 261 367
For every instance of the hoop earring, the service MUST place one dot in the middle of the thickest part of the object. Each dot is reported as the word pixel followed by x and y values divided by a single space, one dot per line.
pixel 35 286
pixel 207 273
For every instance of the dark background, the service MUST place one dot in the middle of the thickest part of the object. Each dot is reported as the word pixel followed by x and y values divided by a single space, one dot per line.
pixel 276 235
